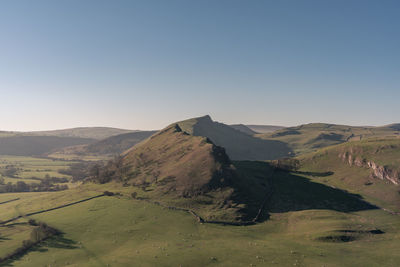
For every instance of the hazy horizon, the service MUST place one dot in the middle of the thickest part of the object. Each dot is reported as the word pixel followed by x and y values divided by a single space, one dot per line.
pixel 145 64
pixel 168 123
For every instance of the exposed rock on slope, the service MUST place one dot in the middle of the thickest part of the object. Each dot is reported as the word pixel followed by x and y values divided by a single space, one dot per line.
pixel 377 171
pixel 368 167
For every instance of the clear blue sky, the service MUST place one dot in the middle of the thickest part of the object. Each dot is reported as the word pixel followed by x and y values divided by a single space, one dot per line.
pixel 144 64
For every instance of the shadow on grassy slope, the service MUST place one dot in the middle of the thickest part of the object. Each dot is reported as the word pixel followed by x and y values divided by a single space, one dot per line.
pixel 292 192
pixel 58 241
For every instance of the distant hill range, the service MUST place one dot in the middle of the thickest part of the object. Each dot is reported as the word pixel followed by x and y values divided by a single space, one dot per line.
pixel 242 142
pixel 254 129
pixel 43 142
pixel 310 137
pixel 20 145
pixel 110 146
pixel 81 132
pixel 239 144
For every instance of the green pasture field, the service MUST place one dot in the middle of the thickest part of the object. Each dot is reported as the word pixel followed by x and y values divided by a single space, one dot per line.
pixel 121 231
pixel 29 167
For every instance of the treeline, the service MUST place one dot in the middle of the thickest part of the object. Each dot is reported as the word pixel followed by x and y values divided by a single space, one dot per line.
pixel 9 171
pixel 40 233
pixel 99 172
pixel 112 170
pixel 21 186
pixel 77 171
pixel 287 164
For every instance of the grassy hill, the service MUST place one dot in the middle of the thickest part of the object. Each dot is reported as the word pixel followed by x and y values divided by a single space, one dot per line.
pixel 105 148
pixel 20 145
pixel 313 136
pixel 181 170
pixel 47 142
pixel 238 145
pixel 368 167
pixel 118 143
pixel 81 132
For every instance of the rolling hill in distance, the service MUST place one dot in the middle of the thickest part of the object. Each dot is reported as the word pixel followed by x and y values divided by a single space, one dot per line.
pixel 313 136
pixel 111 146
pixel 253 129
pixel 45 142
pixel 81 132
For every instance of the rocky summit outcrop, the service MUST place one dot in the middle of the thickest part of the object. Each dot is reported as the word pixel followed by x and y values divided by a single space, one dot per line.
pixel 238 144
pixel 377 171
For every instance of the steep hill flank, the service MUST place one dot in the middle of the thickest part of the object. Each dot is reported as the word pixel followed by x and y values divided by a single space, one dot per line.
pixel 181 170
pixel 238 145
pixel 310 137
pixel 179 162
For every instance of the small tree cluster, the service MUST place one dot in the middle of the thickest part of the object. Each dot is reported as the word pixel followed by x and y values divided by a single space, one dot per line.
pixel 112 170
pixel 21 186
pixel 40 233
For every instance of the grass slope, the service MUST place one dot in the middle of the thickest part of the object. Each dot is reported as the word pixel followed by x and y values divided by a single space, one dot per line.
pixel 358 178
pixel 32 170
pixel 120 231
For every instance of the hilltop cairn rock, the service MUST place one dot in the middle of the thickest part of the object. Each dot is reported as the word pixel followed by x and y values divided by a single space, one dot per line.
pixel 377 171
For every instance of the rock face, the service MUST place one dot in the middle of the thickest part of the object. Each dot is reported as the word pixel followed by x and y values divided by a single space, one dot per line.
pixel 384 173
pixel 377 171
